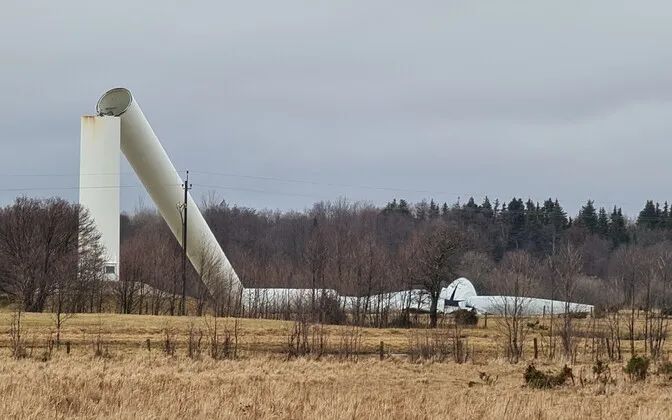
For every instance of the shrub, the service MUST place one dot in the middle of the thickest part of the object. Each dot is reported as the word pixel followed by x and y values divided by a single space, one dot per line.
pixel 306 339
pixel 169 341
pixel 600 367
pixel 432 344
pixel 534 378
pixel 601 376
pixel 401 320
pixel 486 379
pixel 350 342
pixel 16 341
pixel 223 341
pixel 637 368
pixel 465 317
pixel 331 310
pixel 194 340
pixel 578 315
pixel 665 368
pixel 600 311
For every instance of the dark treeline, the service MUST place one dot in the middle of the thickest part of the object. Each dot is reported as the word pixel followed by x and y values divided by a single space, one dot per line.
pixel 355 248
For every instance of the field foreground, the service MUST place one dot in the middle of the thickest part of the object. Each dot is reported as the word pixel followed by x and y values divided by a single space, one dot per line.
pixel 128 381
pixel 153 386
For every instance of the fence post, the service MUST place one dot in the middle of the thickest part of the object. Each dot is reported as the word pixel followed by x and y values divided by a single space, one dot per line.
pixel 536 349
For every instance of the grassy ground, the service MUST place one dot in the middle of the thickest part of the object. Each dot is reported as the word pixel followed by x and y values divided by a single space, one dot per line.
pixel 132 382
pixel 129 332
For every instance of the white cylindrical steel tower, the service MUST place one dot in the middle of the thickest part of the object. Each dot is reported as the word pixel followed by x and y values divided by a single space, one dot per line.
pixel 150 162
pixel 99 183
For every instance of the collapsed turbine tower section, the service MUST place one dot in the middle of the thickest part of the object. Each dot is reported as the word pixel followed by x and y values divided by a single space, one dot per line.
pixel 118 126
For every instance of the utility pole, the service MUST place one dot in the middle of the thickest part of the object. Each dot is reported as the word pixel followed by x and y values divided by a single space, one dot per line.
pixel 186 187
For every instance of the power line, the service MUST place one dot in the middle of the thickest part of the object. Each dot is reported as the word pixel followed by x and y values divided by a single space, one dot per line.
pixel 66 174
pixel 257 177
pixel 236 188
pixel 254 190
pixel 369 187
pixel 330 184
pixel 211 186
pixel 79 188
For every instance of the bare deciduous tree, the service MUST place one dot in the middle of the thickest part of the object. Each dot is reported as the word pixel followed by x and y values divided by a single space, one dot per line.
pixel 515 276
pixel 50 253
pixel 567 267
pixel 439 251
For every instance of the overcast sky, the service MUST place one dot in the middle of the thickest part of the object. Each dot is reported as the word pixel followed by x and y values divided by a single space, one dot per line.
pixel 367 100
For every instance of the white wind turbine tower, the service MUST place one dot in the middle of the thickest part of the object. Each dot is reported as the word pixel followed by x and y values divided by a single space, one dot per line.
pixel 121 126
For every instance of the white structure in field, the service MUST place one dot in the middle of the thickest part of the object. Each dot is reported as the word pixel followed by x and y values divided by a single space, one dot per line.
pixel 121 125
pixel 99 181
pixel 462 294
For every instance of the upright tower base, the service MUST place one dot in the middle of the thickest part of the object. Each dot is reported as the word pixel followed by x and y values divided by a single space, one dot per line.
pixel 99 182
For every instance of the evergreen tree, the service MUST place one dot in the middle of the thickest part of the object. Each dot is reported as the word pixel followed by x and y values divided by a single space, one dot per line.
pixel 559 217
pixel 602 222
pixel 444 209
pixel 433 209
pixel 649 216
pixel 486 208
pixel 515 216
pixel 532 215
pixel 391 207
pixel 554 219
pixel 533 225
pixel 617 229
pixel 470 210
pixel 403 208
pixel 547 211
pixel 665 216
pixel 588 217
pixel 471 204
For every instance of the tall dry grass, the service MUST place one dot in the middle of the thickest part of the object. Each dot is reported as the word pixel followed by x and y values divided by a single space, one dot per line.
pixel 133 378
pixel 152 386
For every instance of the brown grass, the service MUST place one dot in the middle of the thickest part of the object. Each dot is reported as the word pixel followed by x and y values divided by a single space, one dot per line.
pixel 134 383
pixel 129 332
pixel 154 386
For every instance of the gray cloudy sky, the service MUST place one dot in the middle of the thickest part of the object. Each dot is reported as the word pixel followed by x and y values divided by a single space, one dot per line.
pixel 431 98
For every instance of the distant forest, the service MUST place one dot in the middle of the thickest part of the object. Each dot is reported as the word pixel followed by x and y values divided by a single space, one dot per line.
pixel 361 249
pixel 357 249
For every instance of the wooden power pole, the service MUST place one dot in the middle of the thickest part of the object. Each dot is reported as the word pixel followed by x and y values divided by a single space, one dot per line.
pixel 183 303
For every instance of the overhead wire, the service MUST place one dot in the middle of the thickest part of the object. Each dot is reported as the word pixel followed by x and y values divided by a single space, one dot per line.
pixel 234 188
pixel 18 189
pixel 254 190
pixel 330 184
pixel 65 174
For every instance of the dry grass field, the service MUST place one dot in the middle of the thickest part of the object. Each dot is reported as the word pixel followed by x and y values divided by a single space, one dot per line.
pixel 130 381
